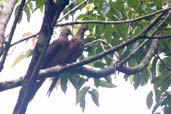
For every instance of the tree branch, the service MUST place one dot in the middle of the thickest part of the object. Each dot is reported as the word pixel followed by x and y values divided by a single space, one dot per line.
pixel 162 62
pixel 24 39
pixel 157 37
pixel 114 22
pixel 118 66
pixel 72 10
pixel 143 63
pixel 11 84
pixel 133 52
pixel 104 22
pixel 51 14
pixel 91 71
pixel 5 15
pixel 151 51
pixel 7 46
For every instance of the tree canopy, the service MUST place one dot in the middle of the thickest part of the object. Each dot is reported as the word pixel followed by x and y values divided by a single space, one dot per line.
pixel 125 37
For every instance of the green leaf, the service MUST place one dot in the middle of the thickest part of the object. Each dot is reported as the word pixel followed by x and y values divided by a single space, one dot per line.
pixel 95 96
pixel 136 82
pixel 81 94
pixel 153 68
pixel 99 64
pixel 22 56
pixel 167 110
pixel 105 8
pixel 144 77
pixel 82 104
pixel 39 5
pixel 158 3
pixel 167 100
pixel 106 84
pixel 77 81
pixel 64 80
pixel 30 5
pixel 149 99
pixel 28 13
pixel 96 82
pixel 133 3
pixel 163 66
pixel 108 79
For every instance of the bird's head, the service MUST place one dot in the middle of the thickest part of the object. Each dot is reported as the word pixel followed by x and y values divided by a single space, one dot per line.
pixel 67 31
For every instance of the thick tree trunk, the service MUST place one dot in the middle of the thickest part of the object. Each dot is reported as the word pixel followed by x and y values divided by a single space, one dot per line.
pixel 51 14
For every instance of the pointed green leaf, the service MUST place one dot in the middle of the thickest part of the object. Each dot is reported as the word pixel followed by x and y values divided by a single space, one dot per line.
pixel 81 94
pixel 28 13
pixel 64 80
pixel 22 56
pixel 149 99
pixel 82 104
pixel 95 96
pixel 96 82
pixel 136 81
pixel 104 83
pixel 77 81
pixel 108 79
pixel 167 110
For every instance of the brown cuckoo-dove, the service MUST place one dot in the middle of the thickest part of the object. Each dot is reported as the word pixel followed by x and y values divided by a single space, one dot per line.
pixel 56 54
pixel 76 47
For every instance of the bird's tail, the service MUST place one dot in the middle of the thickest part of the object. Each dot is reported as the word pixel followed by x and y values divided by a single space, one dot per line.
pixel 52 86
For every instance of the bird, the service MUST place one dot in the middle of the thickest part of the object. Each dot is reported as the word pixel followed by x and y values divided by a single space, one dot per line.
pixel 56 53
pixel 76 47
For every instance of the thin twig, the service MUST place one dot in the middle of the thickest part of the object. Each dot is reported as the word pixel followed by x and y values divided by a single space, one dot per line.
pixel 11 84
pixel 114 22
pixel 157 37
pixel 133 52
pixel 119 46
pixel 7 46
pixel 118 66
pixel 72 10
pixel 98 40
pixel 162 62
pixel 106 22
pixel 24 39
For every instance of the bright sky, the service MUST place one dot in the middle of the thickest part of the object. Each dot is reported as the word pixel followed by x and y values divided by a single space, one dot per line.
pixel 121 100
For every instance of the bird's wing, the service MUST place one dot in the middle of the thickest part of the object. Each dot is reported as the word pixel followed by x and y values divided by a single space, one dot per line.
pixel 53 49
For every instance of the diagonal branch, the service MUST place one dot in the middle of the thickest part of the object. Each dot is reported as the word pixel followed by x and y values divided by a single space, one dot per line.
pixel 118 66
pixel 143 63
pixel 105 22
pixel 72 10
pixel 133 52
pixel 24 39
pixel 11 84
pixel 158 37
pixel 162 62
pixel 51 14
pixel 114 22
pixel 7 46
pixel 5 15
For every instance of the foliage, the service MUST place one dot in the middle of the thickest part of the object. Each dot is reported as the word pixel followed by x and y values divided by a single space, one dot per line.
pixel 158 71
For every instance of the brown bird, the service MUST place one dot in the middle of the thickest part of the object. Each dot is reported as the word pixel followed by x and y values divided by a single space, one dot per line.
pixel 57 51
pixel 76 47
pixel 55 54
